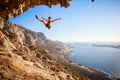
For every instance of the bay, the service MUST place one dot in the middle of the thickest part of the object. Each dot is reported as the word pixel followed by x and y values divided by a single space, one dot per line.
pixel 105 59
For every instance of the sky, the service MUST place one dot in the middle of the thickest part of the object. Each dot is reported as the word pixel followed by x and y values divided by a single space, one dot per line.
pixel 83 21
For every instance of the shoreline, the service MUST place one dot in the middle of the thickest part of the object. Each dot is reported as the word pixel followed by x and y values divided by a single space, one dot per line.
pixel 88 71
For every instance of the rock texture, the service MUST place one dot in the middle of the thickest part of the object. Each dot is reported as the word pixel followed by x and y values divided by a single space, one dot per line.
pixel 27 55
pixel 13 8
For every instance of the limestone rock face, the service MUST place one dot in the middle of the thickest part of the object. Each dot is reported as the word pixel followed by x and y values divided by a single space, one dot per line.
pixel 13 8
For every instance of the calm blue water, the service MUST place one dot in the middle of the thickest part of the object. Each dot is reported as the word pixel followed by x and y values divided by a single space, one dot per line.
pixel 103 58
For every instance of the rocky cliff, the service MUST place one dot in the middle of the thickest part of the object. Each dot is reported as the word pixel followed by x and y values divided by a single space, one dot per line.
pixel 13 8
pixel 29 55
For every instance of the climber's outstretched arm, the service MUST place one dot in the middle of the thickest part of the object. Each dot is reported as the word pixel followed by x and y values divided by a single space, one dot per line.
pixel 56 19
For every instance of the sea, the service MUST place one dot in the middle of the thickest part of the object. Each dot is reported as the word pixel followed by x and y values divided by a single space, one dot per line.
pixel 105 59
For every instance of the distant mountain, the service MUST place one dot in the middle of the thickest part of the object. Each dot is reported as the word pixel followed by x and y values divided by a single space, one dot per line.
pixel 112 46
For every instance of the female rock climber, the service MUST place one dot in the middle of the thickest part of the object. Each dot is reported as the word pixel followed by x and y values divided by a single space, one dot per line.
pixel 46 22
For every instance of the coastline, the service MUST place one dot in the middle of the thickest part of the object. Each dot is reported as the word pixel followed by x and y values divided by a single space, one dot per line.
pixel 90 72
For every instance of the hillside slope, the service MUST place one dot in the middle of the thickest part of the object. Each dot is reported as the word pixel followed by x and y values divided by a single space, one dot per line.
pixel 29 55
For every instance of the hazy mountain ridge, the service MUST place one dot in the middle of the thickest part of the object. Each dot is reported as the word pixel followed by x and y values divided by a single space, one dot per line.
pixel 107 45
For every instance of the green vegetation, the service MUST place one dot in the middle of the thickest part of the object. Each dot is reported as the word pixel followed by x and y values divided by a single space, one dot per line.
pixel 39 54
pixel 17 51
pixel 32 48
